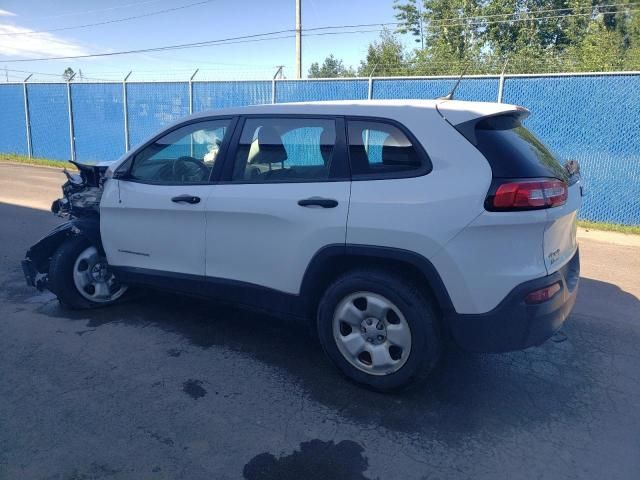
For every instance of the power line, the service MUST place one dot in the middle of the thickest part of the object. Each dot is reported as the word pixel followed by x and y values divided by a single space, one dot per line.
pixel 536 12
pixel 260 37
pixel 254 37
pixel 431 23
pixel 48 74
pixel 462 20
pixel 462 23
pixel 115 7
pixel 108 22
pixel 474 17
pixel 275 35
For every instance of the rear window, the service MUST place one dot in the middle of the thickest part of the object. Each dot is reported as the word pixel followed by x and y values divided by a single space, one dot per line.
pixel 513 151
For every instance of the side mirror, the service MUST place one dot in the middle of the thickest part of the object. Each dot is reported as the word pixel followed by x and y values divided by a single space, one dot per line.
pixel 120 175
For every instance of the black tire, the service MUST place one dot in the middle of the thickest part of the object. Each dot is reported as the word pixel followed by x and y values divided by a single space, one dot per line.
pixel 60 281
pixel 426 342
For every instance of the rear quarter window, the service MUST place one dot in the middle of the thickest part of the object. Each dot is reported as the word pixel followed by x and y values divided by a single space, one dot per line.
pixel 513 151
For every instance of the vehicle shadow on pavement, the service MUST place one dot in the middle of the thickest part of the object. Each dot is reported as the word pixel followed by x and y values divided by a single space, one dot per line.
pixel 467 393
pixel 560 381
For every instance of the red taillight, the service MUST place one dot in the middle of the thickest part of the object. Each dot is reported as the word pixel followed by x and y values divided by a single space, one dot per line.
pixel 529 194
pixel 542 295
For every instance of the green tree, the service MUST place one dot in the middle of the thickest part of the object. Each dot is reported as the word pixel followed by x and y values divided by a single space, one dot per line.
pixel 600 49
pixel 68 73
pixel 447 29
pixel 409 14
pixel 330 68
pixel 386 56
pixel 532 35
pixel 632 54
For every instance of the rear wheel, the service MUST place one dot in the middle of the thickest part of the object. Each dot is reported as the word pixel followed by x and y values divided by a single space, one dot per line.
pixel 378 329
pixel 80 276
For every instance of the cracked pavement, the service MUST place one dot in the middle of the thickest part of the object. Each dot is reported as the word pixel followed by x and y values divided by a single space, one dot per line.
pixel 167 387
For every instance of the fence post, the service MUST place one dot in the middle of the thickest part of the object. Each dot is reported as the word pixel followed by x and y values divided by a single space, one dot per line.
pixel 501 82
pixel 125 109
pixel 72 140
pixel 273 83
pixel 27 116
pixel 370 91
pixel 191 91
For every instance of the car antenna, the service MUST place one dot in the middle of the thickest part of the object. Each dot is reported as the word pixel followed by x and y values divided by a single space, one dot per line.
pixel 449 96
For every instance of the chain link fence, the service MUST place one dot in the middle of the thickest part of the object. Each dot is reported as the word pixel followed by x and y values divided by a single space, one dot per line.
pixel 594 118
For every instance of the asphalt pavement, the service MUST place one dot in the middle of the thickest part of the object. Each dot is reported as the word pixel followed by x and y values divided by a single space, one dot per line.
pixel 170 387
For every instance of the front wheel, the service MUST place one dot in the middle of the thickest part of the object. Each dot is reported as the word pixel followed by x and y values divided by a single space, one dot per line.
pixel 378 329
pixel 80 276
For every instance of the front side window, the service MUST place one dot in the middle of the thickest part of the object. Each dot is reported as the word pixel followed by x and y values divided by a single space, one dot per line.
pixel 274 150
pixel 379 148
pixel 184 156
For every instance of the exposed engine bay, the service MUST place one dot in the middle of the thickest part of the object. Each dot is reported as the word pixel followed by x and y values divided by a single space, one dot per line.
pixel 81 192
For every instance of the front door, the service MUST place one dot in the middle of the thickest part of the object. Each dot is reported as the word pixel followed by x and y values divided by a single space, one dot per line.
pixel 153 216
pixel 284 195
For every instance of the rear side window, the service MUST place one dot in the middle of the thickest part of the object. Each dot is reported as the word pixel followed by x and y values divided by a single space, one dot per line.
pixel 513 151
pixel 379 149
pixel 276 150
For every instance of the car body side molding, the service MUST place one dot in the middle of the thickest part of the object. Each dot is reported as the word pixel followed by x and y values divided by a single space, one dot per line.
pixel 325 264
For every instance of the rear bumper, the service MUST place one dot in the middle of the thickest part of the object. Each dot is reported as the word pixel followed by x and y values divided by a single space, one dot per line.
pixel 515 325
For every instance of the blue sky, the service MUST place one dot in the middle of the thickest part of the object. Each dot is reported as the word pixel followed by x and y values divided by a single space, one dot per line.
pixel 213 20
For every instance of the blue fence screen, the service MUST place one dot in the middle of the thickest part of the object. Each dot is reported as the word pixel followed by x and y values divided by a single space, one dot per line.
pixel 479 89
pixel 595 120
pixel 592 118
pixel 210 95
pixel 98 121
pixel 49 119
pixel 13 129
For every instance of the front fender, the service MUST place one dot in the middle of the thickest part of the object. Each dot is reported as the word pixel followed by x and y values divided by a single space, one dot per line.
pixel 40 254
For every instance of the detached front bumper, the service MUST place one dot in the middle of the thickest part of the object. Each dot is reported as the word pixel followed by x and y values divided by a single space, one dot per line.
pixel 30 272
pixel 516 325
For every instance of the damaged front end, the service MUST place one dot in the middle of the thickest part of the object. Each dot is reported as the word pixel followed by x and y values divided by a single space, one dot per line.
pixel 80 206
pixel 81 193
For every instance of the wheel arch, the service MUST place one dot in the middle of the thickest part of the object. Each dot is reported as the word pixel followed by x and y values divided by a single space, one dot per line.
pixel 40 253
pixel 333 260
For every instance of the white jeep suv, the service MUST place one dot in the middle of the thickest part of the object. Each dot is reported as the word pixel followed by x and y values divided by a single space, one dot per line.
pixel 395 225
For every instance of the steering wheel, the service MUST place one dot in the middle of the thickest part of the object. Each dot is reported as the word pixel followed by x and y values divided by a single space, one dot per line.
pixel 182 167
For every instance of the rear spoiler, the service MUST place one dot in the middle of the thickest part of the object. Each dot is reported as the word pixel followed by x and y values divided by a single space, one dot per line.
pixel 456 112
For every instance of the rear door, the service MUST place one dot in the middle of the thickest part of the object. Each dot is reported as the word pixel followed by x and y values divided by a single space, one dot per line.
pixel 283 196
pixel 152 216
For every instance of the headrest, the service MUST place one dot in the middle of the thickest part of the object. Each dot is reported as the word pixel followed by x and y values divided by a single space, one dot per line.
pixel 397 152
pixel 270 148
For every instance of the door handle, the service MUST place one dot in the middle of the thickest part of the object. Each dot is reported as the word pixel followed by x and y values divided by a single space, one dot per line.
pixel 318 202
pixel 186 199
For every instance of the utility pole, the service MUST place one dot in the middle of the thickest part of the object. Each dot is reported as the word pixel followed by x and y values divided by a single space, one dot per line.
pixel 298 39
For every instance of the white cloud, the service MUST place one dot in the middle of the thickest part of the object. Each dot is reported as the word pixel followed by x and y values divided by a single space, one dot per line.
pixel 35 45
pixel 6 13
